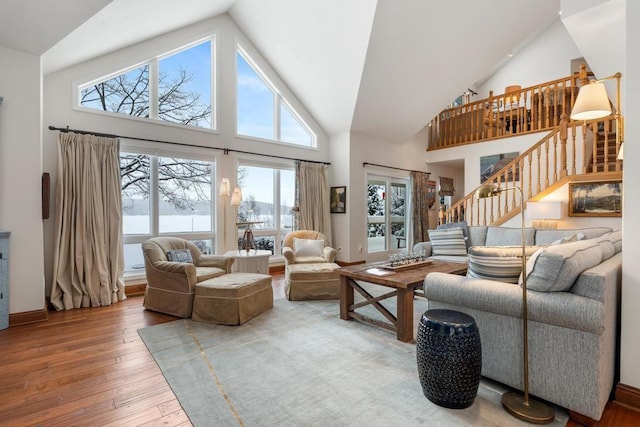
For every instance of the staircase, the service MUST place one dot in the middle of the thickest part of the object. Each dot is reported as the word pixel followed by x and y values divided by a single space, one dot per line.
pixel 557 158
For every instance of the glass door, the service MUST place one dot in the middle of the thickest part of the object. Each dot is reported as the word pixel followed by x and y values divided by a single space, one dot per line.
pixel 387 201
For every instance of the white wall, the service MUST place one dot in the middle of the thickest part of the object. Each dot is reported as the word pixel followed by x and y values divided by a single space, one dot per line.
pixel 20 177
pixel 58 111
pixel 410 155
pixel 630 345
pixel 548 57
pixel 340 175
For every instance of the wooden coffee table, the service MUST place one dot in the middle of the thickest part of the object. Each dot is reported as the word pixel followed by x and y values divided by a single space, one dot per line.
pixel 404 283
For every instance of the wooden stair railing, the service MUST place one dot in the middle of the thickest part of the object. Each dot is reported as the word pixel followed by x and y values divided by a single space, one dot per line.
pixel 532 109
pixel 555 159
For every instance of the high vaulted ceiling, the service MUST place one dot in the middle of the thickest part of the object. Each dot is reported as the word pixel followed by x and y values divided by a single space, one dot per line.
pixel 382 68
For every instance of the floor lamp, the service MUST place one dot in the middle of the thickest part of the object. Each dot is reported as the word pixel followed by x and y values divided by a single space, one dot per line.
pixel 225 191
pixel 518 405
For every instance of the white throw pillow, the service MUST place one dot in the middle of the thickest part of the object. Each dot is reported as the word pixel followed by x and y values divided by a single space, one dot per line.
pixel 307 247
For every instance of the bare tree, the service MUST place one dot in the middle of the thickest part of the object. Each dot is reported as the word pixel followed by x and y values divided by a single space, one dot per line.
pixel 129 94
pixel 181 182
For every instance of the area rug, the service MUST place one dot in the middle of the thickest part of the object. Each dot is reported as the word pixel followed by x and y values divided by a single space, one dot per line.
pixel 299 364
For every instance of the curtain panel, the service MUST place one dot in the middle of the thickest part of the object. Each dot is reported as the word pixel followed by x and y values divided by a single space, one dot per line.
pixel 89 254
pixel 312 197
pixel 420 206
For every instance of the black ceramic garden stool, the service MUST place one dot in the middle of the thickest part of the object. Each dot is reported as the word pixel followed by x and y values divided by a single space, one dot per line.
pixel 449 358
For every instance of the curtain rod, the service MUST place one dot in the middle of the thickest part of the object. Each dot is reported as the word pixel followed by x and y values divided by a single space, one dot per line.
pixel 393 167
pixel 225 150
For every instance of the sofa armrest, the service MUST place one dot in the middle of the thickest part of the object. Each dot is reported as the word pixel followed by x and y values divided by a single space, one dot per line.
pixel 562 309
pixel 289 257
pixel 218 261
pixel 424 245
pixel 329 253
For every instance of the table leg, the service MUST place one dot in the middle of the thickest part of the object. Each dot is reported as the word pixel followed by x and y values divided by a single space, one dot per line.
pixel 346 298
pixel 405 314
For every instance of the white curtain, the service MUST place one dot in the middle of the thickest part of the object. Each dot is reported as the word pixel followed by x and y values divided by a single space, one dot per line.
pixel 88 259
pixel 312 193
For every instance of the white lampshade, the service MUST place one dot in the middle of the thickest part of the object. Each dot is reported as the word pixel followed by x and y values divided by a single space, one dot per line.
pixel 544 210
pixel 236 197
pixel 592 103
pixel 225 187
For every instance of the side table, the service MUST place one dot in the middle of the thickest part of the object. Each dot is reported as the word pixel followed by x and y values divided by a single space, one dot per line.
pixel 449 357
pixel 250 262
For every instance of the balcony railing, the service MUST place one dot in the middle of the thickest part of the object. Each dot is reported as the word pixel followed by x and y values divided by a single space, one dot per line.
pixel 532 109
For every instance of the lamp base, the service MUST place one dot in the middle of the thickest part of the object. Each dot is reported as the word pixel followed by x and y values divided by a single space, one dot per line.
pixel 534 412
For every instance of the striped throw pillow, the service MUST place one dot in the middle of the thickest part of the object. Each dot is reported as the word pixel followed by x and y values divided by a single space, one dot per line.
pixel 447 242
pixel 499 263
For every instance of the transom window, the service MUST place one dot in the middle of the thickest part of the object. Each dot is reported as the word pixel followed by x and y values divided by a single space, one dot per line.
pixel 262 112
pixel 175 88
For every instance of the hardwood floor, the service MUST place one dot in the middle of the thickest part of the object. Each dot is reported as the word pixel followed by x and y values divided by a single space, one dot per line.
pixel 90 367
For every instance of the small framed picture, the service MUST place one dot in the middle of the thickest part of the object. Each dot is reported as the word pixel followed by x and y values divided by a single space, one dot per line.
pixel 338 202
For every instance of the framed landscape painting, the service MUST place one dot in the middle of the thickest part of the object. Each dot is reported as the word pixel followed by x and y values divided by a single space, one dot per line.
pixel 602 198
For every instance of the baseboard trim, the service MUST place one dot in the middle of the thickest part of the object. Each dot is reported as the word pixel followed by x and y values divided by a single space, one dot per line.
pixel 135 290
pixel 275 269
pixel 628 395
pixel 26 317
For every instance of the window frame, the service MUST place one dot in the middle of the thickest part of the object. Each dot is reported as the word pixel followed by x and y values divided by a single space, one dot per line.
pixel 153 64
pixel 278 100
pixel 155 151
pixel 279 231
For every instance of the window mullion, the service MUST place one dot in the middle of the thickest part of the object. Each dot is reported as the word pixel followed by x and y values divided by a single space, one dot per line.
pixel 154 198
pixel 276 116
pixel 153 89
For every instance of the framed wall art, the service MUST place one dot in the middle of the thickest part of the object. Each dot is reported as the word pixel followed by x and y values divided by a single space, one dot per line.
pixel 338 203
pixel 492 164
pixel 602 198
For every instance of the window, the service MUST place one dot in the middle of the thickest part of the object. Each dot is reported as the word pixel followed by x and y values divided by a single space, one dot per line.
pixel 261 110
pixel 387 210
pixel 268 194
pixel 174 88
pixel 168 196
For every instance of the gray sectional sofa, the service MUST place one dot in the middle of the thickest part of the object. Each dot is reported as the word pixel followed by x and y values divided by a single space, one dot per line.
pixel 573 308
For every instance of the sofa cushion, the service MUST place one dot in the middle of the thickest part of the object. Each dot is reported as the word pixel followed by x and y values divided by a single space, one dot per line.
pixel 478 235
pixel 547 236
pixel 179 255
pixel 505 236
pixel 556 268
pixel 501 263
pixel 447 242
pixel 615 237
pixel 462 225
pixel 307 247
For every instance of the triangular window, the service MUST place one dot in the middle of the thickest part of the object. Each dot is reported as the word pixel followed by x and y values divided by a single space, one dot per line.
pixel 261 110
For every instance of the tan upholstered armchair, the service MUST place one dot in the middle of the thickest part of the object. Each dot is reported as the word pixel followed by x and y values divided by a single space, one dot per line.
pixel 171 284
pixel 293 255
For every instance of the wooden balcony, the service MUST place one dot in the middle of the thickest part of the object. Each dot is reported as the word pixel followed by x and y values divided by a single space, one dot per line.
pixel 521 111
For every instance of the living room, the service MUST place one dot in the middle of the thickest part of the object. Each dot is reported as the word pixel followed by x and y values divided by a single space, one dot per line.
pixel 34 100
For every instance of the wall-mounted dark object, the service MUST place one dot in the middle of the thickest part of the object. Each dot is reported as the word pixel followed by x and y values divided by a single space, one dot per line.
pixel 46 184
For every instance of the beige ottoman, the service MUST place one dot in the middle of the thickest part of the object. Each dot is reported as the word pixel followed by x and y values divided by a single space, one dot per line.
pixel 312 281
pixel 232 299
